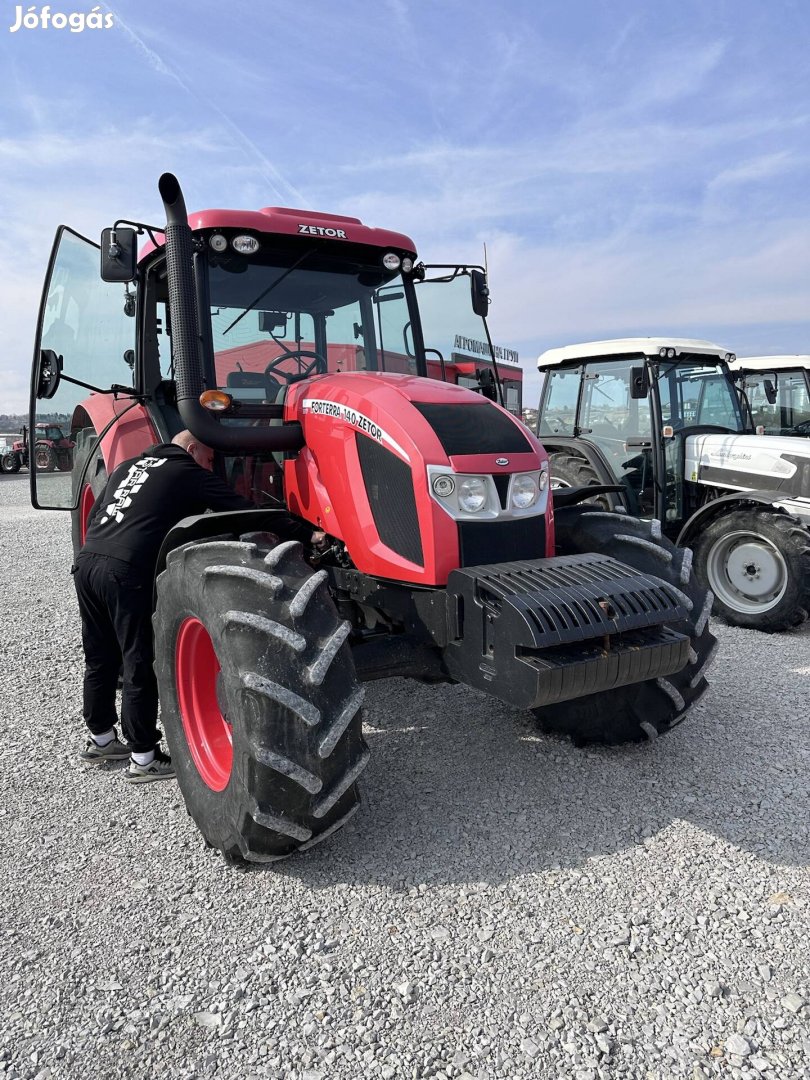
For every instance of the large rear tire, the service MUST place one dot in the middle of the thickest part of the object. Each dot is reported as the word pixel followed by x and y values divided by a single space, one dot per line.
pixel 259 697
pixel 648 709
pixel 757 564
pixel 44 458
pixel 571 471
pixel 91 487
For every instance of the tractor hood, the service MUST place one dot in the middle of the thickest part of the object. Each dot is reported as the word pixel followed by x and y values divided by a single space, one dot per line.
pixel 750 462
pixel 384 465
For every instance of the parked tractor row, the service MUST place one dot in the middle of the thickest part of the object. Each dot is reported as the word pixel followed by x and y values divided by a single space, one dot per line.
pixel 670 423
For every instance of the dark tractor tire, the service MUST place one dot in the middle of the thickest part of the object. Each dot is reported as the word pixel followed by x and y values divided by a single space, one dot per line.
pixel 648 709
pixel 756 561
pixel 44 458
pixel 92 486
pixel 11 462
pixel 572 471
pixel 259 698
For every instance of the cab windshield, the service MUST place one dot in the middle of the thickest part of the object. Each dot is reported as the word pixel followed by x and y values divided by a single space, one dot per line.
pixel 304 314
pixel 698 395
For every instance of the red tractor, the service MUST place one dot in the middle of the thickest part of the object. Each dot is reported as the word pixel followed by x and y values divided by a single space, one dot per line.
pixel 296 344
pixel 52 449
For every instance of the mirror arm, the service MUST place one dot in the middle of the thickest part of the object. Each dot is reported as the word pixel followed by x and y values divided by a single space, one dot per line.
pixel 114 389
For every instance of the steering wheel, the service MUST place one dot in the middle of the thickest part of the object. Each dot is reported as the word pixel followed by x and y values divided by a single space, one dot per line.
pixel 303 369
pixel 564 425
pixel 802 428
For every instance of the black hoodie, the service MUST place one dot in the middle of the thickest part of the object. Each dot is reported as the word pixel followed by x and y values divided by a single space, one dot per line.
pixel 146 496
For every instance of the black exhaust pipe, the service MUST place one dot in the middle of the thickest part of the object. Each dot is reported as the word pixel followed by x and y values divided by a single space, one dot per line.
pixel 186 343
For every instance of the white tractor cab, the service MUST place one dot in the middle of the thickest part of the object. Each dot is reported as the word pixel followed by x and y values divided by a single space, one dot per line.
pixel 660 425
pixel 778 392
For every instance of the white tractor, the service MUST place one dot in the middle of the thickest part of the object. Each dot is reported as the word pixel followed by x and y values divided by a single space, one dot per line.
pixel 660 428
pixel 778 392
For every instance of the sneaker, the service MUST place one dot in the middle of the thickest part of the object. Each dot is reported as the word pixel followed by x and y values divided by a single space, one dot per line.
pixel 113 751
pixel 160 768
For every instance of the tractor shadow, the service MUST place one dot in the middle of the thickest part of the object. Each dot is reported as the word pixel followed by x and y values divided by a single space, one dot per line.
pixel 463 789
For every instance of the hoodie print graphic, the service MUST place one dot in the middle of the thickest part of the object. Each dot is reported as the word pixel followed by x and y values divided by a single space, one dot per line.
pixel 133 482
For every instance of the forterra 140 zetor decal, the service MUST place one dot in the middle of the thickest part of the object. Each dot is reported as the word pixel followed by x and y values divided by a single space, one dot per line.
pixel 346 415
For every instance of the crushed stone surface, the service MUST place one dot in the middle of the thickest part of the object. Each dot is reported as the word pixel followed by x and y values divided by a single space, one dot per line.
pixel 503 905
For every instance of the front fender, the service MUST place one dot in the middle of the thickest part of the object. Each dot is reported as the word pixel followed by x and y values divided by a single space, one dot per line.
pixel 716 507
pixel 206 526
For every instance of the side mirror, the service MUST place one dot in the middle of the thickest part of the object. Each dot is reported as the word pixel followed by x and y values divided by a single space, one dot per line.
pixel 48 373
pixel 770 391
pixel 480 292
pixel 639 382
pixel 119 255
pixel 486 380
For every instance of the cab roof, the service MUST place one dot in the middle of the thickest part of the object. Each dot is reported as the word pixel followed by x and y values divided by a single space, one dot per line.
pixel 770 363
pixel 283 220
pixel 644 346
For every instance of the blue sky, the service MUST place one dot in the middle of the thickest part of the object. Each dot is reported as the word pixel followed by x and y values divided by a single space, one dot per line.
pixel 633 168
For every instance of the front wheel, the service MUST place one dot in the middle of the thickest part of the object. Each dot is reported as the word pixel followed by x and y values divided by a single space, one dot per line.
pixel 11 462
pixel 757 564
pixel 648 709
pixel 259 697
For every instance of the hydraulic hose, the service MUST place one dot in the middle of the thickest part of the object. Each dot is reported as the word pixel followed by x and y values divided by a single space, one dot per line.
pixel 186 343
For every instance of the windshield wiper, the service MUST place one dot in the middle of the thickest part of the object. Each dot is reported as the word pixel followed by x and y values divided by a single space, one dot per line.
pixel 269 289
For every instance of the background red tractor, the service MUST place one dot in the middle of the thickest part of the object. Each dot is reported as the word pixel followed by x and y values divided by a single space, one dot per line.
pixel 52 449
pixel 404 524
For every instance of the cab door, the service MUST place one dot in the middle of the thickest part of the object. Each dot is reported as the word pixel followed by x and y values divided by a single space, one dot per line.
pixel 85 345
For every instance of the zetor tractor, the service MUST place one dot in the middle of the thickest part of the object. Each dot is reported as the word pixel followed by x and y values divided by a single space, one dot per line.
pixel 404 525
pixel 664 420
pixel 778 392
pixel 52 450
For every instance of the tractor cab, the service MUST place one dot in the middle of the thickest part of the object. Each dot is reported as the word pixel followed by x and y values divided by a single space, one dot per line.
pixel 778 391
pixel 274 298
pixel 634 403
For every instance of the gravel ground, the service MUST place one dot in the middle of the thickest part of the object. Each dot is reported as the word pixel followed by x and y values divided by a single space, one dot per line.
pixel 502 906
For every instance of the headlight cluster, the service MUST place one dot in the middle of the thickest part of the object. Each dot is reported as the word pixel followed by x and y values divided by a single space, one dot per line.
pixel 460 494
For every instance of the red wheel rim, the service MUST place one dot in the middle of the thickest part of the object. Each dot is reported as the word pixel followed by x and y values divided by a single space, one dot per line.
pixel 207 734
pixel 86 504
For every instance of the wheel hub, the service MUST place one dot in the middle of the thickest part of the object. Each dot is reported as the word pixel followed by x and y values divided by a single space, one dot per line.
pixel 199 694
pixel 747 572
pixel 755 569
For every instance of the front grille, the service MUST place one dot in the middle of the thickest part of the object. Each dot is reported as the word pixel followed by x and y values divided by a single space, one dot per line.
pixel 485 542
pixel 475 429
pixel 389 487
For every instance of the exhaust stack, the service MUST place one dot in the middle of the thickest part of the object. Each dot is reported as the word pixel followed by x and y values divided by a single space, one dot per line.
pixel 186 342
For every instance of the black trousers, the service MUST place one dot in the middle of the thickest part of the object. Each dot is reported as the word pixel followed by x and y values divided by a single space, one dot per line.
pixel 115 601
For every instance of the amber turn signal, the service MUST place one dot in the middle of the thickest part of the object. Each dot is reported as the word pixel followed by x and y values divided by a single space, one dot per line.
pixel 215 400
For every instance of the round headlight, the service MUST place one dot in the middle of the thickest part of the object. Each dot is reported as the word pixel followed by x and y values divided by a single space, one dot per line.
pixel 524 492
pixel 391 261
pixel 444 485
pixel 218 242
pixel 407 265
pixel 472 494
pixel 245 245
